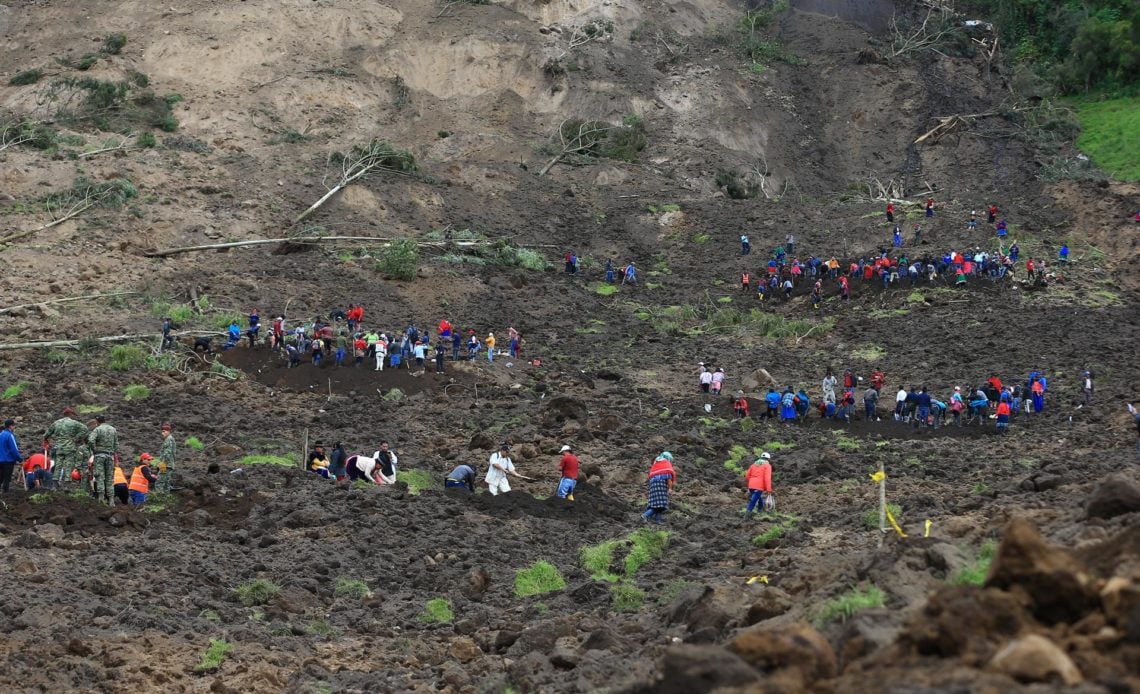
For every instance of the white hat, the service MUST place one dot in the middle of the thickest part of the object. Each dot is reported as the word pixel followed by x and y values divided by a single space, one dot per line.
pixel 766 455
pixel 564 449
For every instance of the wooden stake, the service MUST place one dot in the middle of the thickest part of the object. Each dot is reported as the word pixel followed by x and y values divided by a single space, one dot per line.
pixel 882 504
pixel 305 451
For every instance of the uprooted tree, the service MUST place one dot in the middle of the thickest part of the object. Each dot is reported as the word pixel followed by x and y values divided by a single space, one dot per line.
pixel 591 138
pixel 84 194
pixel 360 161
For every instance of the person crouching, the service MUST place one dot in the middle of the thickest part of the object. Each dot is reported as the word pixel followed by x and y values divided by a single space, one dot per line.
pixel 141 479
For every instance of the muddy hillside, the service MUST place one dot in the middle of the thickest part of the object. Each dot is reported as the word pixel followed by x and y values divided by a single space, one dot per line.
pixel 440 161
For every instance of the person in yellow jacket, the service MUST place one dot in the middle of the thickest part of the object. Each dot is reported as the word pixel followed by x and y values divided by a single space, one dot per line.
pixel 490 347
pixel 121 485
pixel 141 479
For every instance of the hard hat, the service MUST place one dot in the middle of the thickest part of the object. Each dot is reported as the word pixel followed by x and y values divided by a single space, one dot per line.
pixel 564 449
pixel 75 475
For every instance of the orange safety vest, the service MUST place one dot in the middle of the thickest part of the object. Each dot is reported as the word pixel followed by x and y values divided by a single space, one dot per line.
pixel 139 483
pixel 744 278
pixel 120 478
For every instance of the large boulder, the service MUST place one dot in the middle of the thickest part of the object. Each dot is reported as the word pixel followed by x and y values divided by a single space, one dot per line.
pixel 1034 658
pixel 963 622
pixel 757 382
pixel 691 668
pixel 708 612
pixel 1059 588
pixel 1113 496
pixel 793 656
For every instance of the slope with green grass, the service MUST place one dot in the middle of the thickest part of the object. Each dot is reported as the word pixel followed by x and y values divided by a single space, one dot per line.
pixel 1110 135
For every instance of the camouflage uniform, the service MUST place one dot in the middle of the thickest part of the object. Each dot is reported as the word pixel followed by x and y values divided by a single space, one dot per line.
pixel 166 455
pixel 104 441
pixel 67 435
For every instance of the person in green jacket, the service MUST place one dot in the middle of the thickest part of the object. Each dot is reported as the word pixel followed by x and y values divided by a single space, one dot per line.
pixel 67 435
pixel 104 443
pixel 166 456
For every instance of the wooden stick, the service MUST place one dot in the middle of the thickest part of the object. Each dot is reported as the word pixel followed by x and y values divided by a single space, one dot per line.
pixel 63 301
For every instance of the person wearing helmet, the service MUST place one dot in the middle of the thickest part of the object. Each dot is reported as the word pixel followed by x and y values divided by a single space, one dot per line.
pixel 37 472
pixel 660 484
pixel 759 480
pixel 141 479
pixel 568 469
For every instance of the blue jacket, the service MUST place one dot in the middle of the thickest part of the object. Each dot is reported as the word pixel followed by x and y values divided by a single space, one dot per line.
pixel 9 451
pixel 773 399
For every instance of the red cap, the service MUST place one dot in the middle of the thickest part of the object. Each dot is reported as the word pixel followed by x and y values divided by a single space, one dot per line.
pixel 145 457
pixel 166 426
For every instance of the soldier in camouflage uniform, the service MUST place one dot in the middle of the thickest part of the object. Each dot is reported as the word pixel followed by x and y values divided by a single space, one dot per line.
pixel 166 455
pixel 104 442
pixel 67 435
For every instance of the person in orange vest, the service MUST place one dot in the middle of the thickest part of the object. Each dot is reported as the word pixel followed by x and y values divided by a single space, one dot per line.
pixel 1003 414
pixel 744 281
pixel 759 479
pixel 141 479
pixel 121 485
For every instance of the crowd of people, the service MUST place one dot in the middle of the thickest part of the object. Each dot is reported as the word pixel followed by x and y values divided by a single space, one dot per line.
pixel 72 452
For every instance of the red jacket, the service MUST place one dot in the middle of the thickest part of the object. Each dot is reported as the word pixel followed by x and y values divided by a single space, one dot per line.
pixel 569 465
pixel 1003 408
pixel 759 477
pixel 741 405
pixel 661 466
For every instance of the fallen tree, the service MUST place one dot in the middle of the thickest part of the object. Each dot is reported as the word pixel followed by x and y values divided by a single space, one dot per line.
pixel 383 242
pixel 105 339
pixel 69 299
pixel 359 162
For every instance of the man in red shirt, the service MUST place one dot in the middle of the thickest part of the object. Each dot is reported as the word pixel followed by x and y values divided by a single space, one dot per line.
pixel 569 470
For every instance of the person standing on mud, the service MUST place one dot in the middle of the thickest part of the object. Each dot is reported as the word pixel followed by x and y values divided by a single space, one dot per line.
pixel 66 434
pixel 828 386
pixel 890 212
pixel 499 468
pixel 10 455
pixel 166 458
pixel 758 477
pixel 337 461
pixel 490 342
pixel 660 485
pixel 141 479
pixel 1087 386
pixel 745 246
pixel 870 400
pixel 104 443
pixel 568 473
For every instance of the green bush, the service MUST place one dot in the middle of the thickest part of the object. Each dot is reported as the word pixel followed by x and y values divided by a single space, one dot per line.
pixel 400 259
pixel 975 574
pixel 145 140
pixel 256 592
pixel 626 597
pixel 844 606
pixel 539 578
pixel 417 480
pixel 353 588
pixel 26 77
pixel 193 443
pixel 136 392
pixel 648 545
pixel 126 357
pixel 113 44
pixel 605 289
pixel 13 391
pixel 871 518
pixel 437 611
pixel 214 656
pixel 267 460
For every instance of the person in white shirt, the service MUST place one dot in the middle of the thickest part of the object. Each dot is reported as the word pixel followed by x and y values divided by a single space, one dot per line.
pixel 706 379
pixel 498 470
pixel 381 352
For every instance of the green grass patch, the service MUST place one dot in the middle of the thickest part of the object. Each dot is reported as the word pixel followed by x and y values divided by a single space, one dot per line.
pixel 773 446
pixel 214 656
pixel 871 518
pixel 870 353
pixel 39 498
pixel 724 300
pixel 91 409
pixel 256 592
pixel 437 611
pixel 320 627
pixel 417 480
pixel 211 616
pixel 605 289
pixel 783 523
pixel 653 285
pixel 1110 131
pixel 537 579
pixel 626 597
pixel 222 321
pixel 773 533
pixel 267 460
pixel 193 443
pixel 648 545
pixel 975 574
pixel 126 357
pixel 845 606
pixel 701 238
pixel 844 443
pixel 13 391
pixel 670 207
pixel 136 391
pixel 598 560
pixel 672 591
pixel 352 588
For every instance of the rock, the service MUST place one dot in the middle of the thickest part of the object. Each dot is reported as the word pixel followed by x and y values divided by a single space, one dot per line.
pixel 757 382
pixel 1121 600
pixel 1114 496
pixel 455 676
pixel 30 540
pixel 772 602
pixel 481 442
pixel 709 612
pixel 868 632
pixel 198 518
pixel 35 618
pixel 691 668
pixel 609 422
pixel 25 567
pixel 542 636
pixel 49 531
pixel 305 517
pixel 1034 658
pixel 795 655
pixel 565 654
pixel 562 408
pixel 1045 482
pixel 478 581
pixel 463 649
pixel 1059 587
pixel 946 558
pixel 610 176
pixel 228 450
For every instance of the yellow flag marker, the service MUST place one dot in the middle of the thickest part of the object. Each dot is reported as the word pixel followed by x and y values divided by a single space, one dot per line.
pixel 762 579
pixel 894 523
pixel 926 532
pixel 878 476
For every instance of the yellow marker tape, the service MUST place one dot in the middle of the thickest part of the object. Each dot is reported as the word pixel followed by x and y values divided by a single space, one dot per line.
pixel 762 579
pixel 878 476
pixel 926 532
pixel 894 523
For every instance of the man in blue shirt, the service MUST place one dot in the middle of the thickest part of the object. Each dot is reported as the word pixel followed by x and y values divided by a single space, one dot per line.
pixel 10 455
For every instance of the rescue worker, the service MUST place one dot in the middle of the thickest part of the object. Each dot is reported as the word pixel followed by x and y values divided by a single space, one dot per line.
pixel 37 472
pixel 66 434
pixel 890 211
pixel 104 443
pixel 499 468
pixel 740 405
pixel 568 468
pixel 870 400
pixel 141 478
pixel 338 460
pixel 490 342
pixel 167 453
pixel 121 489
pixel 462 477
pixel 758 477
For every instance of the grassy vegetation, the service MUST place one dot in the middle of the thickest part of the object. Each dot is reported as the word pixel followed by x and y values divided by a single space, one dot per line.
pixel 417 480
pixel 437 611
pixel 845 606
pixel 352 588
pixel 537 579
pixel 267 460
pixel 214 656
pixel 320 627
pixel 871 517
pixel 91 409
pixel 179 313
pixel 975 574
pixel 1110 131
pixel 605 289
pixel 126 357
pixel 13 391
pixel 26 77
pixel 256 592
pixel 598 560
pixel 136 391
pixel 869 353
pixel 626 597
pixel 39 498
pixel 193 443
pixel 211 616
pixel 400 259
pixel 773 533
pixel 782 524
pixel 844 443
pixel 672 591
pixel 647 545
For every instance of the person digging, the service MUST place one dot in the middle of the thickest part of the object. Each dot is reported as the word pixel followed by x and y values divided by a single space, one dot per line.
pixel 501 467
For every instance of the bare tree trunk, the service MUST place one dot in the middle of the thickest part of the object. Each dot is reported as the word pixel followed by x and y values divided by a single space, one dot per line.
pixel 79 209
pixel 320 239
pixel 64 301
pixel 109 338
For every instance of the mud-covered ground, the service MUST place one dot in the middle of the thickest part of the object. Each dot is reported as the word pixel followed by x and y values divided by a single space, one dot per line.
pixel 115 599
